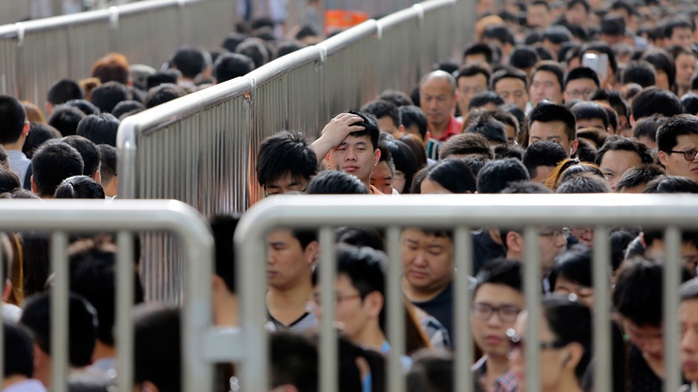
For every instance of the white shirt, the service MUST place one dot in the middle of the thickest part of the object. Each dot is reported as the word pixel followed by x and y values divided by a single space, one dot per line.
pixel 19 163
pixel 30 385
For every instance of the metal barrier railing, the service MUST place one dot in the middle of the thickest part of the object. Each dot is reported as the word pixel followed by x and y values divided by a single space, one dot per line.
pixel 670 212
pixel 202 148
pixel 36 53
pixel 63 217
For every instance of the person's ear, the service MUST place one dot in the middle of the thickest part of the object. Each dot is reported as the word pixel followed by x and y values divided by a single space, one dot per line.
pixel 311 252
pixel 374 303
pixel 376 156
pixel 632 121
pixel 663 157
pixel 574 354
pixel 514 241
pixel 573 147
pixel 25 130
pixel 148 386
pixel 31 179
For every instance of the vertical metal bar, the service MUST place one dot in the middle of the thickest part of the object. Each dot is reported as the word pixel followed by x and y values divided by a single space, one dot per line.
pixel 395 311
pixel 532 294
pixel 672 281
pixel 328 335
pixel 603 375
pixel 124 304
pixel 59 311
pixel 463 242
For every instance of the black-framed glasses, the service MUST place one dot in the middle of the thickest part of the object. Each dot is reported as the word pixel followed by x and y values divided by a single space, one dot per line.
pixel 687 155
pixel 506 313
pixel 517 343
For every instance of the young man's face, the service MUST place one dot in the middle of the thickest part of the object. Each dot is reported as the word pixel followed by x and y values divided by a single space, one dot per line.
pixel 537 16
pixel 427 260
pixel 545 85
pixel 648 339
pixel 382 178
pixel 351 311
pixel 675 163
pixel 581 89
pixel 553 131
pixel 685 67
pixel 591 123
pixel 577 15
pixel 287 262
pixel 284 184
pixel 616 162
pixel 681 36
pixel 688 316
pixel 513 91
pixel 490 333
pixel 355 155
pixel 468 87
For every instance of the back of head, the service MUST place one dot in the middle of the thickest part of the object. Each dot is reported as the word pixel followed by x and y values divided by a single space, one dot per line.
pixel 232 65
pixel 79 187
pixel 294 361
pixel 88 151
pixel 254 48
pixel 508 151
pixel 101 129
pixel 52 163
pixel 466 144
pixel 574 266
pixel 500 271
pixel 63 91
pixel 82 328
pixel 411 115
pixel 584 183
pixel 111 68
pixel 431 371
pixel 124 107
pixel 84 106
pixel 523 57
pixel 640 72
pixel 381 108
pixel 490 128
pixel 543 153
pixel 671 184
pixel 38 134
pixel 689 102
pixel 485 98
pixel 223 227
pixel 334 182
pixel 108 95
pixel 525 187
pixel 163 93
pixel 12 118
pixel 570 322
pixel 653 100
pixel 189 61
pixel 286 153
pixel 497 175
pixel 589 111
pixel 8 181
pixel 158 350
pixel 639 175
pixel 647 127
pixel 19 352
pixel 66 119
pixel 454 175
pixel 398 98
pixel 638 292
pixel 170 76
pixel 108 162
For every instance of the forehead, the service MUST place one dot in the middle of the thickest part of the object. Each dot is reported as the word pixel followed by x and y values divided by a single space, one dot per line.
pixel 544 75
pixel 690 140
pixel 353 140
pixel 419 235
pixel 689 308
pixel 510 83
pixel 286 179
pixel 473 79
pixel 553 128
pixel 496 293
pixel 581 83
pixel 630 157
pixel 435 85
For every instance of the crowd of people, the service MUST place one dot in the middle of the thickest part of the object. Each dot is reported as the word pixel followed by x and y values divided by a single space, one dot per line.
pixel 553 97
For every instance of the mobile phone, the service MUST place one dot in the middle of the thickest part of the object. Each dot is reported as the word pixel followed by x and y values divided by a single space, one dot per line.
pixel 597 62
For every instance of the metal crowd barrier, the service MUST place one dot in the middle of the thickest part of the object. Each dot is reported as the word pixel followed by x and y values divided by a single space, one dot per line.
pixel 672 213
pixel 62 217
pixel 36 53
pixel 202 148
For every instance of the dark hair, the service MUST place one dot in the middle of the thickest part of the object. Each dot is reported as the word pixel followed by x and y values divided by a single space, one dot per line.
pixel 294 361
pixel 466 144
pixel 108 95
pixel 581 73
pixel 499 32
pixel 157 355
pixel 223 228
pixel 543 153
pixel 169 76
pixel 66 119
pixel 163 93
pixel 100 129
pixel 552 67
pixel 497 175
pixel 491 129
pixel 595 138
pixel 523 57
pixel 285 153
pixel 38 134
pixel 689 103
pixel 88 151
pixel 483 49
pixel 474 69
pixel 52 163
pixel 231 65
pixel 590 110
pixel 452 174
pixel 285 48
pixel 652 100
pixel 584 183
pixel 546 112
pixel 397 98
pixel 648 126
pixel 622 144
pixel 614 99
pixel 484 98
pixel 475 163
pixel 404 160
pixel 84 106
pixel 412 115
pixel 360 237
pixel 639 175
pixel 557 34
pixel 19 352
pixel 640 72
pixel 638 292
pixel 574 265
pixel 12 118
pixel 108 159
pixel 124 107
pixel 8 181
pixel 570 322
pixel 370 124
pixel 82 331
pixel 431 371
pixel 668 133
pixel 232 41
pixel 335 182
pixel 189 61
pixel 508 151
pixel 584 3
pixel 79 187
pixel 500 271
pixel 380 108
pixel 63 91
pixel 254 48
pixel 671 184
pixel 662 62
pixel 612 25
pixel 508 73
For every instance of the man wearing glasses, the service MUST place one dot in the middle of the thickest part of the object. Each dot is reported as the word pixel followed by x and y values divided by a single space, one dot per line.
pixel 580 83
pixel 497 300
pixel 677 141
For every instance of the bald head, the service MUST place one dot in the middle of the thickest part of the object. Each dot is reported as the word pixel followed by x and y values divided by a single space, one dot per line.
pixel 439 75
pixel 437 98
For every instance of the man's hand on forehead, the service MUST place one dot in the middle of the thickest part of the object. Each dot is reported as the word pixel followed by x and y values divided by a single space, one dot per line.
pixel 335 132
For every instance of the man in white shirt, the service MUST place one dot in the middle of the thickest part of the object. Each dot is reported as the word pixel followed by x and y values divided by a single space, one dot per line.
pixel 14 129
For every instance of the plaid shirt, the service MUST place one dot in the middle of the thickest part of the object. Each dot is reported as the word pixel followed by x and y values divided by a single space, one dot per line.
pixel 505 383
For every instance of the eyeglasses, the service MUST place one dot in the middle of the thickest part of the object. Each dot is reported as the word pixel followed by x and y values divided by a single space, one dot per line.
pixel 506 313
pixel 339 298
pixel 554 232
pixel 517 343
pixel 586 93
pixel 687 155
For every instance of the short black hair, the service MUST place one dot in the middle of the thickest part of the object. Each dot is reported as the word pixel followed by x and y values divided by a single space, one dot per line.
pixel 465 144
pixel 108 95
pixel 380 108
pixel 66 119
pixel 19 352
pixel 360 237
pixel 612 25
pixel 285 153
pixel 668 133
pixel 63 90
pixel 79 187
pixel 581 73
pixel 491 129
pixel 38 134
pixel 475 164
pixel 543 153
pixel 623 144
pixel 12 118
pixel 547 112
pixel 223 228
pixel 499 32
pixel 169 76
pixel 584 183
pixel 473 69
pixel 108 160
pixel 484 98
pixel 662 61
pixel 689 103
pixel 640 72
pixel 570 321
pixel 523 57
pixel 614 99
pixel 335 182
pixel 653 100
pixel 412 115
pixel 82 331
pixel 52 163
pixel 500 271
pixel 584 3
pixel 497 175
pixel 189 61
pixel 574 265
pixel 638 292
pixel 452 174
pixel 365 268
pixel 557 34
pixel 231 65
pixel 552 67
pixel 370 124
pixel 648 126
pixel 590 110
pixel 84 106
pixel 483 49
pixel 88 151
pixel 671 184
pixel 525 188
pixel 129 106
pixel 639 175
pixel 397 97
pixel 294 361
pixel 100 129
pixel 157 354
pixel 508 72
pixel 508 151
pixel 165 92
pixel 677 23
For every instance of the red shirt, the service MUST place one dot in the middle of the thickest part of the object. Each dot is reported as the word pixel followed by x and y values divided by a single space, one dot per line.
pixel 453 128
